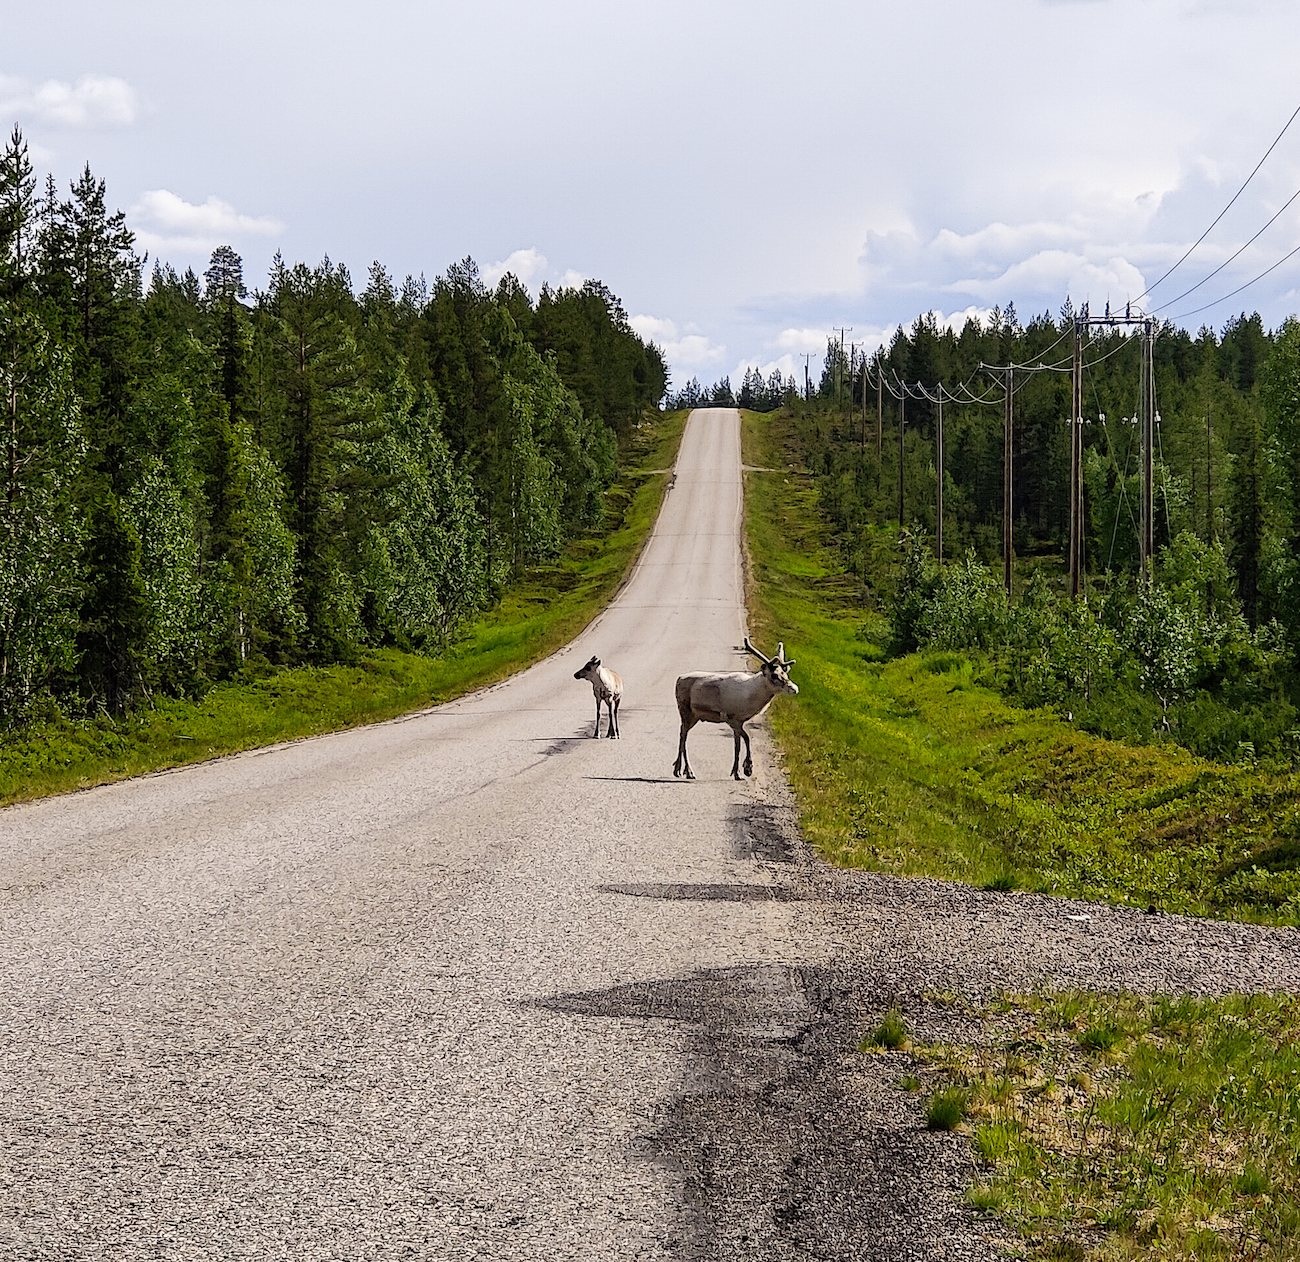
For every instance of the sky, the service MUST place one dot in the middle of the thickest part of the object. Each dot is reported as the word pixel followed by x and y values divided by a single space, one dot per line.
pixel 749 177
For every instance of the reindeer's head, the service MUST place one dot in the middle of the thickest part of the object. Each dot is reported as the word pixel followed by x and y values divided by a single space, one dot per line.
pixel 589 670
pixel 776 669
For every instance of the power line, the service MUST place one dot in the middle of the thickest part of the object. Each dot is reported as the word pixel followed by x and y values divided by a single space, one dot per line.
pixel 1197 311
pixel 1225 262
pixel 1221 213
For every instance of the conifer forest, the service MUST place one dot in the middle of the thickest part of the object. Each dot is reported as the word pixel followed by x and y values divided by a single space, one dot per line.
pixel 201 477
pixel 1203 651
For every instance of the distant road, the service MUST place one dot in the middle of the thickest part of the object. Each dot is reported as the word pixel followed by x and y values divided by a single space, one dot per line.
pixel 289 1003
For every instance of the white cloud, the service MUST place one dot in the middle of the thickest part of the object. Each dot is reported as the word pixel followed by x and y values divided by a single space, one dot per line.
pixel 165 221
pixel 686 351
pixel 653 329
pixel 1052 272
pixel 957 320
pixel 523 265
pixel 93 101
pixel 803 341
pixel 572 280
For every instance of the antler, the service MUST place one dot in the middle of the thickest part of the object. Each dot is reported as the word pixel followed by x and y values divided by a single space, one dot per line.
pixel 767 661
pixel 780 656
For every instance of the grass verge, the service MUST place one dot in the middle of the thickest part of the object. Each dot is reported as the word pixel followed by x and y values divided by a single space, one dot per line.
pixel 1123 1127
pixel 909 765
pixel 543 611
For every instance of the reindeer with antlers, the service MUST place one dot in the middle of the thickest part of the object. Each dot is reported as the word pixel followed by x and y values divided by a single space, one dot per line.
pixel 732 698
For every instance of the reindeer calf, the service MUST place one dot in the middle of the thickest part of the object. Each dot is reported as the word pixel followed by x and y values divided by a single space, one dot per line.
pixel 608 687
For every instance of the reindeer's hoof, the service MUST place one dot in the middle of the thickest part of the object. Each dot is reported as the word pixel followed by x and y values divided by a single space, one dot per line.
pixel 749 768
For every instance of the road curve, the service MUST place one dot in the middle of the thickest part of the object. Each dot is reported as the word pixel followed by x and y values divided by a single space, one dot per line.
pixel 334 999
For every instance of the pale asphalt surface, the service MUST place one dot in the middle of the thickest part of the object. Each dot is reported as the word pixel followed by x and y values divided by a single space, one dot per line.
pixel 475 985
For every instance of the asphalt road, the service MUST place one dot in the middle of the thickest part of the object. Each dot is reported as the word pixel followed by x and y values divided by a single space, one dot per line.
pixel 333 1000
pixel 476 985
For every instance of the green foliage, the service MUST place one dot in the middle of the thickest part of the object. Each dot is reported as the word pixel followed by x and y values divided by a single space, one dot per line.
pixel 920 764
pixel 55 752
pixel 891 1033
pixel 947 1109
pixel 199 482
pixel 115 626
pixel 41 528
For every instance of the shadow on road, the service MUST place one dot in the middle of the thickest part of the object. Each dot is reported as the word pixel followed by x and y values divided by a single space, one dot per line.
pixel 637 779
pixel 736 893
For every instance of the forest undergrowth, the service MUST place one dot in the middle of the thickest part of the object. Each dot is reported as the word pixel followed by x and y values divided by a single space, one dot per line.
pixel 912 765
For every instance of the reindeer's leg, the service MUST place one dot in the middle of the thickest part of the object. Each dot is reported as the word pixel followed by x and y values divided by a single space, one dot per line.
pixel 736 731
pixel 683 763
pixel 614 732
pixel 609 705
pixel 597 731
pixel 749 762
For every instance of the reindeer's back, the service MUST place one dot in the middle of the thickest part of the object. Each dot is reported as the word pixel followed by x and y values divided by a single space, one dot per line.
pixel 704 694
pixel 612 682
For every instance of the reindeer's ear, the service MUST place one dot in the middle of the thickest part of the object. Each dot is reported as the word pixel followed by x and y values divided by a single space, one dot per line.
pixel 595 661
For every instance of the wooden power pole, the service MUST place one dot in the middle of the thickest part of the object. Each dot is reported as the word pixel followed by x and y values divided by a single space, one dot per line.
pixel 938 491
pixel 902 414
pixel 880 409
pixel 1006 479
pixel 1148 424
pixel 1076 467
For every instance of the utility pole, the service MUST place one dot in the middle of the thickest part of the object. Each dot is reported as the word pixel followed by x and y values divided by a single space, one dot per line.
pixel 902 399
pixel 839 365
pixel 853 372
pixel 1148 422
pixel 1076 467
pixel 1146 429
pixel 938 468
pixel 864 400
pixel 1006 479
pixel 1209 501
pixel 880 411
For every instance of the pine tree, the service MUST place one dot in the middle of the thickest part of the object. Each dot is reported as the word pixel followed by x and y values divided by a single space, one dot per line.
pixel 18 218
pixel 115 624
pixel 327 423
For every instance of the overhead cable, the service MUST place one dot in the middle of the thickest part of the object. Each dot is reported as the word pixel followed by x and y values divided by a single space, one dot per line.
pixel 1225 262
pixel 1221 213
pixel 1197 311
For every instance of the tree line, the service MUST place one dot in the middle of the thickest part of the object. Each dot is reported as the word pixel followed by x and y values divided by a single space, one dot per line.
pixel 1207 653
pixel 198 480
pixel 756 392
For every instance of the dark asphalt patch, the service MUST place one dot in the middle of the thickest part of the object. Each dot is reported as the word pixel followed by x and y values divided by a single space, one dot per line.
pixel 789 1141
pixel 762 831
pixel 737 893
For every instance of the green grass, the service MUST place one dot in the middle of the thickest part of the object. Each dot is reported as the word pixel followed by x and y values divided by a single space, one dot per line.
pixel 891 1033
pixel 1180 1143
pixel 542 612
pixel 910 765
pixel 946 1110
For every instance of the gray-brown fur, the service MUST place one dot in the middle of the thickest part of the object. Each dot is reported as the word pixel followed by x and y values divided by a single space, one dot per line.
pixel 732 698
